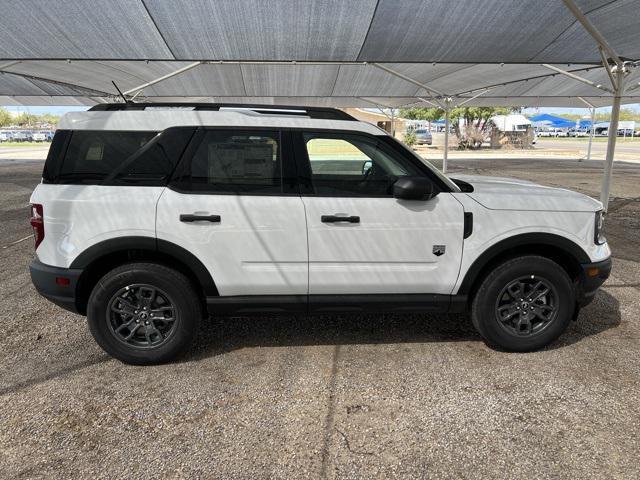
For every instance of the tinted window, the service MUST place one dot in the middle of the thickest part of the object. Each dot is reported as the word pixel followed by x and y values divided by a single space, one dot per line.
pixel 154 163
pixel 99 157
pixel 354 165
pixel 235 162
pixel 92 155
pixel 54 157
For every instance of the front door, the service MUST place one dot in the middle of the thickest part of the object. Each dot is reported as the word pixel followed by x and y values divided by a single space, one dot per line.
pixel 362 240
pixel 233 205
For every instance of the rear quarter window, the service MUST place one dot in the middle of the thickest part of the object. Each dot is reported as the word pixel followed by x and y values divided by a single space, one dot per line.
pixel 115 157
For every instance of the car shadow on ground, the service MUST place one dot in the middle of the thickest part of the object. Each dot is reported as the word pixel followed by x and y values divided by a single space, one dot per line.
pixel 221 335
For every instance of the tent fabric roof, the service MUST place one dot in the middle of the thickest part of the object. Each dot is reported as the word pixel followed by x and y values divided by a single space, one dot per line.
pixel 548 120
pixel 447 31
pixel 72 52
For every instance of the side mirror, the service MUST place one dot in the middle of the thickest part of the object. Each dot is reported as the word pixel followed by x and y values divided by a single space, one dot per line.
pixel 414 188
pixel 366 166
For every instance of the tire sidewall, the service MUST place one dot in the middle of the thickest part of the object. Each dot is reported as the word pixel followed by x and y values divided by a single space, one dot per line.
pixel 177 287
pixel 483 307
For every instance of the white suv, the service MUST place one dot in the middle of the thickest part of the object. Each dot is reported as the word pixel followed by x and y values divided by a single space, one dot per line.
pixel 149 216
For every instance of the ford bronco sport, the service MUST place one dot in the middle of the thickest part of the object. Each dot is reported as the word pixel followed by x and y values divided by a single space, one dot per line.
pixel 150 216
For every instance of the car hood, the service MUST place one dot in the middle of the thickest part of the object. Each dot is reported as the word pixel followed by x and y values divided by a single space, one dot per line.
pixel 497 193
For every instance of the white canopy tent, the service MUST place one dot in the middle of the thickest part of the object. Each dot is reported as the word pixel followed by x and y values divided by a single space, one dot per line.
pixel 573 53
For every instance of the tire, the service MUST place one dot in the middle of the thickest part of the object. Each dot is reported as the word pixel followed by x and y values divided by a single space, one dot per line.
pixel 496 309
pixel 155 306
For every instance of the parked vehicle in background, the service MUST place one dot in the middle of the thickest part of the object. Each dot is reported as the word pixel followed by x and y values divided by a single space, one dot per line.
pixel 22 136
pixel 146 220
pixel 6 136
pixel 553 132
pixel 577 132
pixel 423 137
pixel 39 137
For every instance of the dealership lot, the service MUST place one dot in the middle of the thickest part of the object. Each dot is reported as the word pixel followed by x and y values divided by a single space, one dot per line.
pixel 357 397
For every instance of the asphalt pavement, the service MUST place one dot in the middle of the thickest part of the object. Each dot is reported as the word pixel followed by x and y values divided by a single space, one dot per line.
pixel 373 396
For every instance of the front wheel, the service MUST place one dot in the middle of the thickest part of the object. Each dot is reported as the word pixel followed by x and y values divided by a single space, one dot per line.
pixel 524 304
pixel 143 313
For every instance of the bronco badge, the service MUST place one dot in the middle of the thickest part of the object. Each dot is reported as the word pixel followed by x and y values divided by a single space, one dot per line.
pixel 439 250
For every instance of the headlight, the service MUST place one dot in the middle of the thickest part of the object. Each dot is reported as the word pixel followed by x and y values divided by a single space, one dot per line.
pixel 598 231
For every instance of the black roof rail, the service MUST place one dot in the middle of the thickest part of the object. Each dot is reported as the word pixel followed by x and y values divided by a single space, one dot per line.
pixel 324 113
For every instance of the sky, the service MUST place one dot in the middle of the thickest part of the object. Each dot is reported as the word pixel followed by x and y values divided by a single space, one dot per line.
pixel 528 111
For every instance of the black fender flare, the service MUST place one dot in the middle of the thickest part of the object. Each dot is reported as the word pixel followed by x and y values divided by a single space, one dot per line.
pixel 164 247
pixel 537 239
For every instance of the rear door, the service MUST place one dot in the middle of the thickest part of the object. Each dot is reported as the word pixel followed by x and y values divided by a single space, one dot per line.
pixel 234 204
pixel 362 240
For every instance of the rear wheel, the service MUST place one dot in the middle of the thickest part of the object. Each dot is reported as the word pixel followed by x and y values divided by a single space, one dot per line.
pixel 523 304
pixel 143 313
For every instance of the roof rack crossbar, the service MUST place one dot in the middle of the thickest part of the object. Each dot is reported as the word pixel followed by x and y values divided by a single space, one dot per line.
pixel 324 113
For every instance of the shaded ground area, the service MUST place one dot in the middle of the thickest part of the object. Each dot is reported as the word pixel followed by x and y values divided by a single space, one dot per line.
pixel 375 396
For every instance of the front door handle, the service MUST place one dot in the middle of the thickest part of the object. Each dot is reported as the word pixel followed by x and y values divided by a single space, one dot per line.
pixel 188 217
pixel 339 218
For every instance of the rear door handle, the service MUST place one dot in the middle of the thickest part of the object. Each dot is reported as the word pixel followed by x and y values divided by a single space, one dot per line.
pixel 339 218
pixel 188 217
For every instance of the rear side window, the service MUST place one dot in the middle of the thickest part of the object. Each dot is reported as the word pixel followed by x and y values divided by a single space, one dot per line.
pixel 93 155
pixel 234 162
pixel 108 157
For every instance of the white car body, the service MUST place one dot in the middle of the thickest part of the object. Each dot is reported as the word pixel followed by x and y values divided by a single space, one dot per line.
pixel 298 250
pixel 266 238
pixel 39 137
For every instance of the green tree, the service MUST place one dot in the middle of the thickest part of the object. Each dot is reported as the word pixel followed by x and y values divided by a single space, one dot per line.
pixel 410 138
pixel 471 125
pixel 5 117
pixel 49 118
pixel 26 119
pixel 426 114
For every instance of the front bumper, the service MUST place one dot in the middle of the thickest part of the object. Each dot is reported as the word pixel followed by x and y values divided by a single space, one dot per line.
pixel 56 284
pixel 592 276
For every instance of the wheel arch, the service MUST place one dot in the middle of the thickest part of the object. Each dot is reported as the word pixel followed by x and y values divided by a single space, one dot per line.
pixel 563 251
pixel 106 255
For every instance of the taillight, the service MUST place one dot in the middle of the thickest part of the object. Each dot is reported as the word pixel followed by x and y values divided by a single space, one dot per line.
pixel 37 222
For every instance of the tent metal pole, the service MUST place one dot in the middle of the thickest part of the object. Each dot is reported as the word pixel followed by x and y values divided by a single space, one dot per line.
pixel 447 114
pixel 576 77
pixel 597 36
pixel 430 103
pixel 611 140
pixel 9 64
pixel 591 130
pixel 408 79
pixel 164 77
pixel 475 96
pixel 393 131
pixel 592 110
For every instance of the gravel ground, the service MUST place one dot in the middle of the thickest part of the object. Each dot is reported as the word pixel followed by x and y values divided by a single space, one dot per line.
pixel 337 397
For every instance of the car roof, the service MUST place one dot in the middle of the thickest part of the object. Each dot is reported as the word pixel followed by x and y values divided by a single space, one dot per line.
pixel 161 119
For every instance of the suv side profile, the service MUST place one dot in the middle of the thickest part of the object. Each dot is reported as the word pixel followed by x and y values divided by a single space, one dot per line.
pixel 149 217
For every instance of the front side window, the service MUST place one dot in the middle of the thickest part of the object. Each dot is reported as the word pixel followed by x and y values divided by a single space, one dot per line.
pixel 354 165
pixel 235 162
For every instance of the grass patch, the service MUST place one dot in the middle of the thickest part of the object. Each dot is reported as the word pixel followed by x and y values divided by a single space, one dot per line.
pixel 25 144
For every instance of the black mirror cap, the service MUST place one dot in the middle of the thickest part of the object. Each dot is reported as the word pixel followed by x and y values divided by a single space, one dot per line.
pixel 414 188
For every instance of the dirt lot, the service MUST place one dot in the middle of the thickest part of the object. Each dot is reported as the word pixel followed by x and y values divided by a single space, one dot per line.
pixel 336 397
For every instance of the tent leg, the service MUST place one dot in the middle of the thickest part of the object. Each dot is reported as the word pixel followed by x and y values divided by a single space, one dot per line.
pixel 445 157
pixel 393 127
pixel 611 139
pixel 593 120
